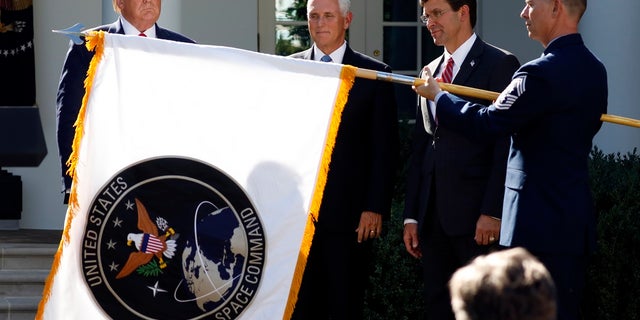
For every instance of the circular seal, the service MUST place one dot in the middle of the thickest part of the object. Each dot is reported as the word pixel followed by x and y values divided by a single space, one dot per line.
pixel 172 238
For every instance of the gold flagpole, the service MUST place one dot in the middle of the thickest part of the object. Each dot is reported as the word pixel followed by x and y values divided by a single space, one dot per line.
pixel 468 91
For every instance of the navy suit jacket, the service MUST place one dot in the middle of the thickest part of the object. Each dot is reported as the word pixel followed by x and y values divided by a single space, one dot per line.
pixel 71 90
pixel 552 110
pixel 465 176
pixel 363 163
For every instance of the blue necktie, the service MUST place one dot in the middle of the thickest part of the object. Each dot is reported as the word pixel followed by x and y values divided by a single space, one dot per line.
pixel 326 58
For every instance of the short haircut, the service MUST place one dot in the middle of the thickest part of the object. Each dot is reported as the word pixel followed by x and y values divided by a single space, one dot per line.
pixel 457 4
pixel 508 284
pixel 345 6
pixel 576 7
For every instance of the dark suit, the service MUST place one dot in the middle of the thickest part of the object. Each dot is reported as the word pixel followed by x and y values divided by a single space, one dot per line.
pixel 360 179
pixel 552 110
pixel 71 90
pixel 453 179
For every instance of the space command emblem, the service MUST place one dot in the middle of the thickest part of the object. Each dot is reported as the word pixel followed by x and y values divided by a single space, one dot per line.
pixel 173 238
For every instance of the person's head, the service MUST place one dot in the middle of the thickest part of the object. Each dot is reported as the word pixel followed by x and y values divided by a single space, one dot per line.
pixel 450 22
pixel 549 19
pixel 142 14
pixel 504 285
pixel 328 22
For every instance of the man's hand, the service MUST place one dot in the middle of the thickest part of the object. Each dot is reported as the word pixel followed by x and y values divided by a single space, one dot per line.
pixel 430 88
pixel 370 226
pixel 487 230
pixel 410 237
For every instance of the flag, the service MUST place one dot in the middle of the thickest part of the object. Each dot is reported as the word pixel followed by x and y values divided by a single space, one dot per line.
pixel 198 171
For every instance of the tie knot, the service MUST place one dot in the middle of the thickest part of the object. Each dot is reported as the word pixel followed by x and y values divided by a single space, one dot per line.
pixel 142 34
pixel 326 58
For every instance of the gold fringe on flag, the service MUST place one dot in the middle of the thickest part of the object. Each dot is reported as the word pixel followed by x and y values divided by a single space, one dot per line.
pixel 347 77
pixel 94 42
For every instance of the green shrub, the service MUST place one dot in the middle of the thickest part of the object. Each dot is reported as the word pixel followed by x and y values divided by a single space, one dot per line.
pixel 395 286
pixel 613 278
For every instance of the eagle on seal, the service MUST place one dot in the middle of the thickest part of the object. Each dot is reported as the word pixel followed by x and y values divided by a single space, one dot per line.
pixel 148 243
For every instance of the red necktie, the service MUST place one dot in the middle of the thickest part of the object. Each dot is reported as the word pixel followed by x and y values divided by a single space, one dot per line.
pixel 446 77
pixel 142 34
pixel 447 74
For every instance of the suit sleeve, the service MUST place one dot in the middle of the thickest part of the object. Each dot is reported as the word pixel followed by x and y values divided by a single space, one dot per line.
pixel 414 166
pixel 69 100
pixel 522 102
pixel 494 192
pixel 385 145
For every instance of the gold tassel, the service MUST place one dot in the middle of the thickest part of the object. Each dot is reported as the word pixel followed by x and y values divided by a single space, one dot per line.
pixel 94 41
pixel 347 77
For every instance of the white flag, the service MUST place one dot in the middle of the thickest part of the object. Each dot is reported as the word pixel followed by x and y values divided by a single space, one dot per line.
pixel 198 171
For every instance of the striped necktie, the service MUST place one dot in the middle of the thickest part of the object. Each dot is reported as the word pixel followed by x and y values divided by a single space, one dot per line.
pixel 447 74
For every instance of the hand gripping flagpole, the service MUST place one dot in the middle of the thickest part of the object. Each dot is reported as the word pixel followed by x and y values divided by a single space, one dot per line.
pixel 468 91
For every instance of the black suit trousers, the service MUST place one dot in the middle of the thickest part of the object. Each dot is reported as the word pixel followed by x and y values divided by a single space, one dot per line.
pixel 442 255
pixel 335 278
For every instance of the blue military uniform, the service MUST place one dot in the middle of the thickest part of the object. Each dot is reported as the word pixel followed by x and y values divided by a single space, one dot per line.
pixel 552 111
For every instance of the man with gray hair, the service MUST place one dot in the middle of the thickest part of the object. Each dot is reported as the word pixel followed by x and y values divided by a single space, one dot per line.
pixel 359 188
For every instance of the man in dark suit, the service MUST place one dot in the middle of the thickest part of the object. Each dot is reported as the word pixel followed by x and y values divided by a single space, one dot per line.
pixel 444 229
pixel 552 111
pixel 360 180
pixel 137 17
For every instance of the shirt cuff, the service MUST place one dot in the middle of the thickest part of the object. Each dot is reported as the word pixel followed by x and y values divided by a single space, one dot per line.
pixel 409 220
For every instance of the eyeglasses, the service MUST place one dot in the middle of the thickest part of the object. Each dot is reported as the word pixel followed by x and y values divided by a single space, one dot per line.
pixel 435 15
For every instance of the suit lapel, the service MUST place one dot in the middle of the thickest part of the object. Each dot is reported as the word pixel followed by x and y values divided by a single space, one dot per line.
pixel 349 56
pixel 466 69
pixel 435 67
pixel 308 54
pixel 116 27
pixel 427 116
pixel 162 33
pixel 470 62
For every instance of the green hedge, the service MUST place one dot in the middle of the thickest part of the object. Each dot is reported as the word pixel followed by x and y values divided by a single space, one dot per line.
pixel 395 286
pixel 613 280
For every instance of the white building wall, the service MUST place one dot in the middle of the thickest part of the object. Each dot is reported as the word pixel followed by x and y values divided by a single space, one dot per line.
pixel 222 23
pixel 610 29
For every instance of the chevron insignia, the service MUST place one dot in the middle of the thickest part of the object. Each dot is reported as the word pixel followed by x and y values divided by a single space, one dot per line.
pixel 515 89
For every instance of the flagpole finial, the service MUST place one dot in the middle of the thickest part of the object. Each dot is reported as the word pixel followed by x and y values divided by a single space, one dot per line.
pixel 74 33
